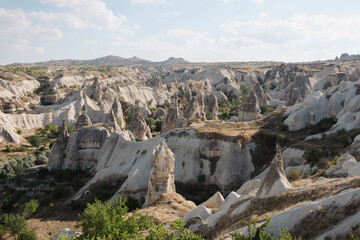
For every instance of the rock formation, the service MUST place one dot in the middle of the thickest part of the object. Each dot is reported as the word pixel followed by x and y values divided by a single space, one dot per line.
pixel 161 174
pixel 215 201
pixel 157 84
pixel 113 122
pixel 172 117
pixel 297 90
pixel 250 109
pixel 57 154
pixel 211 104
pixel 138 125
pixel 159 113
pixel 275 182
pixel 81 150
pixel 194 112
pixel 118 113
pixel 83 120
pixel 260 94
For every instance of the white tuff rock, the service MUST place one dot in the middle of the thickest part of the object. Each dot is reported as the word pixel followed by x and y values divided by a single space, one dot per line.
pixel 161 174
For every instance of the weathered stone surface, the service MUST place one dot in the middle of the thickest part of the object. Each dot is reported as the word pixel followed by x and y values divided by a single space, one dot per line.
pixel 57 154
pixel 171 119
pixel 118 113
pixel 250 109
pixel 157 84
pixel 349 164
pixel 232 198
pixel 248 186
pixel 355 172
pixel 83 120
pixel 260 94
pixel 138 125
pixel 112 122
pixel 161 174
pixel 293 157
pixel 159 113
pixel 81 150
pixel 344 158
pixel 275 182
pixel 200 211
pixel 215 201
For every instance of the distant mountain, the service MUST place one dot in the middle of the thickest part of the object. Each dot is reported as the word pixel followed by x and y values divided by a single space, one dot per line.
pixel 109 60
pixel 173 60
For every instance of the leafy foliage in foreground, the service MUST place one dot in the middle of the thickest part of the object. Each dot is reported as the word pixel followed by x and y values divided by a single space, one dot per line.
pixel 110 220
pixel 176 232
pixel 15 226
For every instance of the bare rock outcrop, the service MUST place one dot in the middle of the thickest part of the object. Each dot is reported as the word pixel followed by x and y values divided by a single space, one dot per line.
pixel 172 117
pixel 250 109
pixel 81 150
pixel 260 94
pixel 297 90
pixel 159 113
pixel 118 113
pixel 161 174
pixel 157 84
pixel 57 155
pixel 275 182
pixel 83 120
pixel 138 125
pixel 211 104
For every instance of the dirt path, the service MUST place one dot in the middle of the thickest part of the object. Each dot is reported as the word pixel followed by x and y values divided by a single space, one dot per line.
pixel 45 229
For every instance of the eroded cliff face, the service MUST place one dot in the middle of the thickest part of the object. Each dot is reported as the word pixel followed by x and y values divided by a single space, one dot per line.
pixel 224 163
pixel 80 150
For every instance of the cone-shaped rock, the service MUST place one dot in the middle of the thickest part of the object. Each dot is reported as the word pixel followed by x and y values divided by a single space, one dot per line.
pixel 161 174
pixel 275 182
pixel 250 109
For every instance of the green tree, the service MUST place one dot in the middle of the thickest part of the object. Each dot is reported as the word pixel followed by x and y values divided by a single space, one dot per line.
pixel 35 141
pixel 30 208
pixel 110 220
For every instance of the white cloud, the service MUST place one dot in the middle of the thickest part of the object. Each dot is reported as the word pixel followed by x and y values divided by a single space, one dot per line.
pixel 302 35
pixel 258 1
pixel 82 14
pixel 148 1
pixel 18 34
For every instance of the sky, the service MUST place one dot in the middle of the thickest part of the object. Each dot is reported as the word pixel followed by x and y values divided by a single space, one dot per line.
pixel 197 30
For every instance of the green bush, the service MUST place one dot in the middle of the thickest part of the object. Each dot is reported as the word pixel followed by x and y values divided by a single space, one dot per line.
pixel 27 235
pixel 266 109
pixel 176 232
pixel 30 208
pixel 69 128
pixel 48 126
pixel 14 225
pixel 110 220
pixel 258 233
pixel 35 141
pixel 324 125
pixel 282 139
pixel 313 155
pixel 19 131
pixel 293 175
